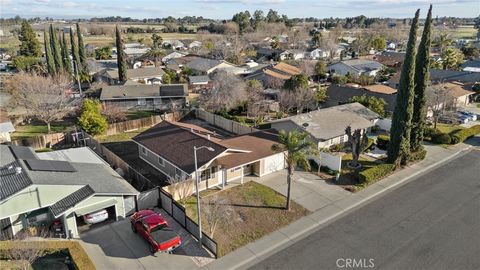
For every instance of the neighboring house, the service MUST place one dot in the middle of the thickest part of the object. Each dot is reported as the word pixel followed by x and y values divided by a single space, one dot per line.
pixel 355 67
pixel 292 55
pixel 457 91
pixel 62 185
pixel 148 75
pixel 174 44
pixel 279 72
pixel 205 66
pixel 327 126
pixel 199 83
pixel 195 44
pixel 471 65
pixel 145 97
pixel 173 55
pixel 443 75
pixel 338 94
pixel 176 64
pixel 391 58
pixel 265 53
pixel 95 66
pixel 318 53
pixel 391 46
pixel 168 147
pixel 132 49
pixel 6 127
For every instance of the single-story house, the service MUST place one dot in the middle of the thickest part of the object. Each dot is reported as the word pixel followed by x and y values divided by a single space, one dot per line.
pixel 147 75
pixel 265 53
pixel 443 75
pixel 338 94
pixel 173 55
pixel 37 191
pixel 459 94
pixel 292 54
pixel 199 83
pixel 326 127
pixel 132 49
pixel 471 65
pixel 391 58
pixel 355 67
pixel 145 97
pixel 279 72
pixel 174 44
pixel 169 147
pixel 205 66
pixel 318 53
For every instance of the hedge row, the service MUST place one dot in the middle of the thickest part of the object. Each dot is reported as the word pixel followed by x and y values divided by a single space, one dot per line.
pixel 77 253
pixel 463 134
pixel 375 173
pixel 418 155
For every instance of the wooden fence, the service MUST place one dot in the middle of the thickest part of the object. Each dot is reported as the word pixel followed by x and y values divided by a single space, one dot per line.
pixel 44 141
pixel 140 123
pixel 223 123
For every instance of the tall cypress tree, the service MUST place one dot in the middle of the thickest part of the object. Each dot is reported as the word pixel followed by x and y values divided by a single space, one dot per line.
pixel 66 55
pixel 121 57
pixel 75 54
pixel 81 52
pixel 30 46
pixel 399 147
pixel 422 69
pixel 56 50
pixel 48 53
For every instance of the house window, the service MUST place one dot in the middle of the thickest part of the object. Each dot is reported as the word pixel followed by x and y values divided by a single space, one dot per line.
pixel 144 150
pixel 206 174
pixel 342 139
pixel 161 161
pixel 142 101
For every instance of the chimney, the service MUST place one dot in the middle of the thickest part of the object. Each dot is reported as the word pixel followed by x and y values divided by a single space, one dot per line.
pixel 18 170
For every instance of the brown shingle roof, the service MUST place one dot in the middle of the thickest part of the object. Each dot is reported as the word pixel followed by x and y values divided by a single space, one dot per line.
pixel 259 144
pixel 287 68
pixel 456 89
pixel 379 88
pixel 174 142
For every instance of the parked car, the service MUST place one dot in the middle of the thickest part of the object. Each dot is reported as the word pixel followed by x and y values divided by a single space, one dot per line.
pixel 155 230
pixel 448 119
pixel 96 217
pixel 471 116
pixel 462 118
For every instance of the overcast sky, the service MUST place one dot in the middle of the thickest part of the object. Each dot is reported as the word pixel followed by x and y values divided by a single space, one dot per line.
pixel 224 9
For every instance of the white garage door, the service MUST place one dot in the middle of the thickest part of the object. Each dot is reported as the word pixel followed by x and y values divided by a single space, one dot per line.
pixel 274 163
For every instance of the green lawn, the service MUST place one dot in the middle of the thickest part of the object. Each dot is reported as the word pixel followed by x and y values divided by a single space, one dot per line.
pixel 447 128
pixel 120 137
pixel 37 129
pixel 257 211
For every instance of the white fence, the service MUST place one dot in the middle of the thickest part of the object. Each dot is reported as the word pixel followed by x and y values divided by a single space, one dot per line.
pixel 331 161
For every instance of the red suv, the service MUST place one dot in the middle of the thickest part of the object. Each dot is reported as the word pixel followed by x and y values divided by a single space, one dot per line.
pixel 154 228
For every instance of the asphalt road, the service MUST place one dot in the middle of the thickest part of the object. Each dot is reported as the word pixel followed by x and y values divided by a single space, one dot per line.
pixel 430 223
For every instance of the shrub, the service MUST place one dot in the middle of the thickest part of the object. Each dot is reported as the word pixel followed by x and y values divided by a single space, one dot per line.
pixel 441 138
pixel 382 141
pixel 336 147
pixel 369 144
pixel 91 120
pixel 431 132
pixel 463 134
pixel 375 173
pixel 418 155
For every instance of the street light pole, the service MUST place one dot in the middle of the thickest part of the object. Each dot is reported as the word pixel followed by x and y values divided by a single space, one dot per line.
pixel 198 192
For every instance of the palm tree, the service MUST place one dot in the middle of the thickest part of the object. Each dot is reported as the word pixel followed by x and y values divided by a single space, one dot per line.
pixel 156 54
pixel 296 147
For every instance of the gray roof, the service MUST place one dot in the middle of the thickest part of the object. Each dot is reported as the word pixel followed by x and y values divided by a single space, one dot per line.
pixel 147 72
pixel 143 91
pixel 331 122
pixel 198 79
pixel 362 65
pixel 71 200
pixel 6 127
pixel 445 75
pixel 203 64
pixel 81 154
pixel 475 63
pixel 100 177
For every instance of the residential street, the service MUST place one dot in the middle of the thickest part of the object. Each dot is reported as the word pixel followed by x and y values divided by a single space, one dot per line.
pixel 430 223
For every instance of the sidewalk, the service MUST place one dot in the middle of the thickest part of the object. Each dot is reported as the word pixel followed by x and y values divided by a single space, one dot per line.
pixel 254 252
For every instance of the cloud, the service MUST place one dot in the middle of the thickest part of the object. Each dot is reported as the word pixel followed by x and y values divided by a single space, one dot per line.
pixel 245 2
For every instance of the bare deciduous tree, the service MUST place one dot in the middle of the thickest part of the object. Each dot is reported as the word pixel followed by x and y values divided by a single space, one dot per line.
pixel 228 92
pixel 286 101
pixel 114 113
pixel 438 100
pixel 47 99
pixel 24 250
pixel 274 83
pixel 304 99
pixel 216 210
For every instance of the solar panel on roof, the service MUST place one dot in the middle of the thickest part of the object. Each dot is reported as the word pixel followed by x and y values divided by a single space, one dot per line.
pixel 21 152
pixel 49 165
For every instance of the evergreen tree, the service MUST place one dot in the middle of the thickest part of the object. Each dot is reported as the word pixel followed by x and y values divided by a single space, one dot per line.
pixel 81 52
pixel 422 69
pixel 66 55
pixel 56 51
pixel 30 45
pixel 75 54
pixel 399 147
pixel 121 57
pixel 48 54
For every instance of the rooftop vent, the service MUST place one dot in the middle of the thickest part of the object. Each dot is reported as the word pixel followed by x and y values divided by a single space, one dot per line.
pixel 305 125
pixel 18 170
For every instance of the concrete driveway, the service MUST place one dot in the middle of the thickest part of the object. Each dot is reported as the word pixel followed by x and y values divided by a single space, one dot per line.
pixel 115 246
pixel 308 190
